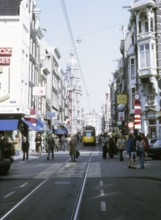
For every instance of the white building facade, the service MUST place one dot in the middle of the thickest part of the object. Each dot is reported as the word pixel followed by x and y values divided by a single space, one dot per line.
pixel 75 120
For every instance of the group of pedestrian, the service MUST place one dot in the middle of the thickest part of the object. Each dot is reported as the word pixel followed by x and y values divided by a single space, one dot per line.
pixel 134 145
pixel 137 146
pixel 108 145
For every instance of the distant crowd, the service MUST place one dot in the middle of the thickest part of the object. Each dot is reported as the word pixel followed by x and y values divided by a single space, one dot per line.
pixel 131 145
pixel 9 146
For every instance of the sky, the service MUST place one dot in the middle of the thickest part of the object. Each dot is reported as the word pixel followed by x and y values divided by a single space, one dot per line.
pixel 97 23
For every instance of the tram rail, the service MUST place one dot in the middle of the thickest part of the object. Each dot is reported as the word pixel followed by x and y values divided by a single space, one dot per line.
pixel 56 174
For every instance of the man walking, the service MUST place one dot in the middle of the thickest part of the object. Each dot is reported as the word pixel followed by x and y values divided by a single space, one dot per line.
pixel 51 145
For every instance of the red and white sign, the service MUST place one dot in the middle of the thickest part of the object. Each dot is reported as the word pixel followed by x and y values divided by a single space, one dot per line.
pixel 4 61
pixel 32 117
pixel 39 91
pixel 130 125
pixel 5 51
pixel 137 112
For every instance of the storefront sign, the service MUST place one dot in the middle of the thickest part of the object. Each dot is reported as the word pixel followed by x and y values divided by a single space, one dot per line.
pixel 5 51
pixel 4 61
pixel 39 91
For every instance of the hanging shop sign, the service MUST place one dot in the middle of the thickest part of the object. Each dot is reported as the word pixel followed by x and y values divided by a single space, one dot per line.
pixel 39 91
pixel 5 51
pixel 5 54
pixel 121 99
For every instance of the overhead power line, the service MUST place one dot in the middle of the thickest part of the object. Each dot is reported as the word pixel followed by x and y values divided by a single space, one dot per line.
pixel 74 47
pixel 100 30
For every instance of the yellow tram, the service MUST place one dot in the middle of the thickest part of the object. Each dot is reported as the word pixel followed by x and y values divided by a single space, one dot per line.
pixel 89 136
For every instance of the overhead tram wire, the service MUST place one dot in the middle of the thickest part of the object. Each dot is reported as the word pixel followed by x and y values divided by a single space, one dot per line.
pixel 74 47
pixel 100 30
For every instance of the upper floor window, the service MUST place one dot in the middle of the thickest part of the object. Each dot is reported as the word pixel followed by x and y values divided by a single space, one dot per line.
pixel 152 24
pixel 132 68
pixel 144 55
pixel 143 23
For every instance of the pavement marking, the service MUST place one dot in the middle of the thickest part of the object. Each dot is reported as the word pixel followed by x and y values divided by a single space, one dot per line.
pixel 8 195
pixel 101 183
pixel 19 203
pixel 102 192
pixel 103 206
pixel 62 182
pixel 23 185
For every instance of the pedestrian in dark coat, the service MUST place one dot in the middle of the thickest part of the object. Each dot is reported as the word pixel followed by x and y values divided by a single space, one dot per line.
pixel 38 143
pixel 111 147
pixel 25 148
pixel 72 148
pixel 51 145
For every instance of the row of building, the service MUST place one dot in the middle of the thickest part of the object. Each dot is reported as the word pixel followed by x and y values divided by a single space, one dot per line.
pixel 135 91
pixel 36 94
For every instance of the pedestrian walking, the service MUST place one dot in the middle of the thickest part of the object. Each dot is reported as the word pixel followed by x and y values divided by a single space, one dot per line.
pixel 25 148
pixel 56 143
pixel 17 144
pixel 146 144
pixel 131 150
pixel 111 147
pixel 64 142
pixel 72 148
pixel 121 144
pixel 104 142
pixel 140 143
pixel 38 143
pixel 51 145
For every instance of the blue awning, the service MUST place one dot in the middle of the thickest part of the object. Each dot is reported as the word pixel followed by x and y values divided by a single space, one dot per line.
pixel 8 124
pixel 62 130
pixel 39 125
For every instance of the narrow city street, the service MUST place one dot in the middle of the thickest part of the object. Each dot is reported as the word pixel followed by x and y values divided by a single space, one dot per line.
pixel 41 189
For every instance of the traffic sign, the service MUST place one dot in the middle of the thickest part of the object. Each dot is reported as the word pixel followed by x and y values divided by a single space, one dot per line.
pixel 130 125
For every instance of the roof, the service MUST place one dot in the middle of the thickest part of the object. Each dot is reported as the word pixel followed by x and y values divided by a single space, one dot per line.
pixel 9 7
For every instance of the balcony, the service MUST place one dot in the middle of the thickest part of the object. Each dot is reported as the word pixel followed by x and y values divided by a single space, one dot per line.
pixel 147 72
pixel 145 36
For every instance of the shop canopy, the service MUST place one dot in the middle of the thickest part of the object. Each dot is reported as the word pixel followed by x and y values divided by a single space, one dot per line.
pixel 61 130
pixel 8 124
pixel 38 127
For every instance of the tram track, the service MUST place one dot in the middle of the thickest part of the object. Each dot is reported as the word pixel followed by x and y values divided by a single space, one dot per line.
pixel 78 170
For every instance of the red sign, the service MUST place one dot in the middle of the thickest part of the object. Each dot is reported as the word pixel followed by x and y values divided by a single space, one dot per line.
pixel 130 125
pixel 5 51
pixel 137 103
pixel 4 61
pixel 137 111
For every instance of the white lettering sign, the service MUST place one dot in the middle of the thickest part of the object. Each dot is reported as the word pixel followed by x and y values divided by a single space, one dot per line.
pixel 4 61
pixel 5 51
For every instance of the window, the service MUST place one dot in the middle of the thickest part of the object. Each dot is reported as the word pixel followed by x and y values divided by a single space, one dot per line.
pixel 146 26
pixel 133 92
pixel 144 55
pixel 132 68
pixel 140 28
pixel 151 25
